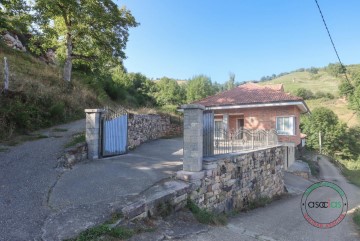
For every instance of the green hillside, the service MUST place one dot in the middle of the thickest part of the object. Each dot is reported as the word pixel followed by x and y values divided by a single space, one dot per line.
pixel 339 106
pixel 324 82
pixel 38 97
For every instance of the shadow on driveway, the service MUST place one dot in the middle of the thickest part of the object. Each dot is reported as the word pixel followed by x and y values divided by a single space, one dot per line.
pixel 113 179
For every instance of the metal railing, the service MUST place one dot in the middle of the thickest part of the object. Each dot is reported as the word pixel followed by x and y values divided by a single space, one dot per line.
pixel 228 141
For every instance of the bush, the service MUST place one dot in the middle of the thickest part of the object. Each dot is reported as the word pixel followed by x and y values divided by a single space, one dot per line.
pixel 204 216
pixel 321 94
pixel 313 70
pixel 304 93
pixel 114 90
pixel 169 109
pixel 57 111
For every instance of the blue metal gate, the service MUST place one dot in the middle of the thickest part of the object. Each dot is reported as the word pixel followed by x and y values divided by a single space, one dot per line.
pixel 114 132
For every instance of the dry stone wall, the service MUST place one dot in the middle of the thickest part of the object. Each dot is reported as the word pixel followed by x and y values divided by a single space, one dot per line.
pixel 142 128
pixel 232 181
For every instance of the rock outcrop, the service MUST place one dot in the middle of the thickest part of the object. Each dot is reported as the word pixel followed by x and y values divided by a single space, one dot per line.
pixel 13 41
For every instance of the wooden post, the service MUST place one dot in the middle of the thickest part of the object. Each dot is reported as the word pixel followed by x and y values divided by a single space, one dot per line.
pixel 320 142
pixel 6 76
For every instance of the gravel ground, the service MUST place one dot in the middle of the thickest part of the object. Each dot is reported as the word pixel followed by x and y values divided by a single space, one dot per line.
pixel 27 174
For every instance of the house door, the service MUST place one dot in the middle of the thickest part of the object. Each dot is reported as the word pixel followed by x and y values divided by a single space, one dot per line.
pixel 240 127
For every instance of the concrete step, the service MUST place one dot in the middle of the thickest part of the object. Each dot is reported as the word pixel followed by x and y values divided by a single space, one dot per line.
pixel 164 196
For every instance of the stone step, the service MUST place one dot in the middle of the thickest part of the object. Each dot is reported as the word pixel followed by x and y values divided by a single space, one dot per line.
pixel 165 196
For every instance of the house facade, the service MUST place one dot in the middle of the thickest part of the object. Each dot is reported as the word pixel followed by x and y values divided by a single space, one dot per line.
pixel 259 107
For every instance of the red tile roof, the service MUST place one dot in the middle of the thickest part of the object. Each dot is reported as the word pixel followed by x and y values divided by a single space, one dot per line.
pixel 278 87
pixel 249 93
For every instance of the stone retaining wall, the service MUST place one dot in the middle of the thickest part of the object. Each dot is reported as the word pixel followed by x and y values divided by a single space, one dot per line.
pixel 142 128
pixel 73 155
pixel 232 181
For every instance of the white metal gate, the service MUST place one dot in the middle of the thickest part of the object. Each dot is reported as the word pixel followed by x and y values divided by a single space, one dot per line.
pixel 114 132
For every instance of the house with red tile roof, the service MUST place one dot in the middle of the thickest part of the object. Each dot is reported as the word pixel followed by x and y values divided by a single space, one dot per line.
pixel 265 107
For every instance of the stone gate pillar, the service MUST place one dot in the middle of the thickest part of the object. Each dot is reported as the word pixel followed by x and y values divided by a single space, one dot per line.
pixel 193 142
pixel 93 132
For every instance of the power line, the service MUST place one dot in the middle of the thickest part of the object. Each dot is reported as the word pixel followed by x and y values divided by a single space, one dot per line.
pixel 342 66
pixel 332 42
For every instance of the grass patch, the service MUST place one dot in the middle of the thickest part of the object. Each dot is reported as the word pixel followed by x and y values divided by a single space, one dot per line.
pixel 40 136
pixel 260 202
pixel 23 138
pixel 340 108
pixel 38 97
pixel 356 217
pixel 12 142
pixel 352 175
pixel 3 149
pixel 351 170
pixel 114 218
pixel 104 230
pixel 78 138
pixel 107 231
pixel 204 216
pixel 59 130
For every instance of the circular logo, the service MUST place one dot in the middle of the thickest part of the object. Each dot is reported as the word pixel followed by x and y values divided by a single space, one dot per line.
pixel 324 204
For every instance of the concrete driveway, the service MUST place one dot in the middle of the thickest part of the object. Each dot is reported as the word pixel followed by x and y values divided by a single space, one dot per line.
pixel 283 220
pixel 90 192
pixel 41 202
pixel 113 179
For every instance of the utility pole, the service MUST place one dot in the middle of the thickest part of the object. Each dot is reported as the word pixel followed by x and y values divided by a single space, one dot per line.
pixel 320 142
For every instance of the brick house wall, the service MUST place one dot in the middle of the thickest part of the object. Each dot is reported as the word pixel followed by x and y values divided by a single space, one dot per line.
pixel 263 118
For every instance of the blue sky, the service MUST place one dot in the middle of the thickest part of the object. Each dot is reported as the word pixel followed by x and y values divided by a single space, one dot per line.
pixel 183 38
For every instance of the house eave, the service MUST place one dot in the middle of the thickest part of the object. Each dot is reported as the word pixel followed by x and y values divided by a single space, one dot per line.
pixel 300 104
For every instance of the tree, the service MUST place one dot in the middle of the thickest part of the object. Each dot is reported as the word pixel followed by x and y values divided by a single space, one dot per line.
pixel 14 16
pixel 351 89
pixel 87 31
pixel 230 84
pixel 336 69
pixel 217 87
pixel 198 87
pixel 333 132
pixel 345 88
pixel 169 92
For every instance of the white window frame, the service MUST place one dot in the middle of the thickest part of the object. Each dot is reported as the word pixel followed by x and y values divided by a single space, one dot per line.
pixel 284 132
pixel 218 120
